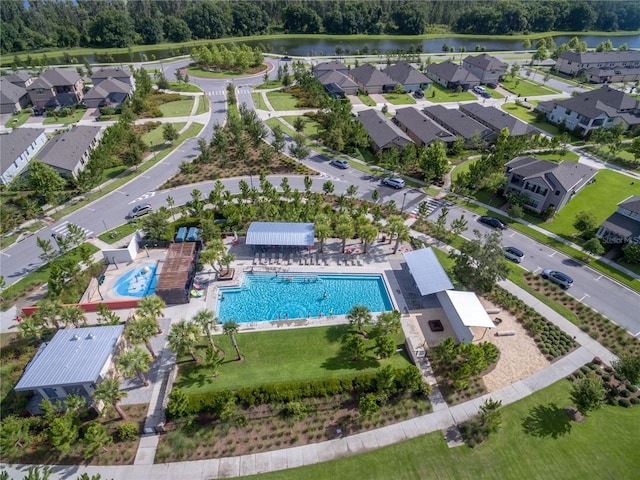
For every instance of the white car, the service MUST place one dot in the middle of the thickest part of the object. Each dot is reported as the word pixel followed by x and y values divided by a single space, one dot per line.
pixel 140 210
pixel 394 182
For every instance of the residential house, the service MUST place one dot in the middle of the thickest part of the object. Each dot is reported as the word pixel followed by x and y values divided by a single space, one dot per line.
pixel 496 119
pixel 622 226
pixel 20 78
pixel 370 80
pixel 593 109
pixel 68 153
pixel 56 87
pixel 336 82
pixel 74 361
pixel 420 128
pixel 546 184
pixel 117 73
pixel 383 133
pixel 332 66
pixel 451 75
pixel 109 92
pixel 407 76
pixel 13 98
pixel 487 68
pixel 474 133
pixel 601 67
pixel 17 148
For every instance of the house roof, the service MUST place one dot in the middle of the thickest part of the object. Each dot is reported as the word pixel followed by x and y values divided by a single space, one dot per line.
pixel 60 77
pixel 19 77
pixel 457 121
pixel 14 143
pixel 485 62
pixel 370 76
pixel 427 271
pixel 452 72
pixel 107 87
pixel 40 82
pixel 610 72
pixel 381 129
pixel 622 225
pixel 569 175
pixel 65 150
pixel 422 126
pixel 73 356
pixel 10 93
pixel 602 57
pixel 632 203
pixel 280 233
pixel 328 66
pixel 606 100
pixel 339 78
pixel 119 73
pixel 469 309
pixel 405 74
pixel 497 119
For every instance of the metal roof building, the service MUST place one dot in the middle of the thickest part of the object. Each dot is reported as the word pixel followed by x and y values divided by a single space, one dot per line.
pixel 427 272
pixel 280 234
pixel 464 310
pixel 72 362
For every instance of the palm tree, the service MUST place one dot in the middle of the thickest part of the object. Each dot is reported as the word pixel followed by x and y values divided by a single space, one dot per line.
pixel 73 315
pixel 402 235
pixel 207 321
pixel 359 316
pixel 393 225
pixel 231 328
pixel 48 313
pixel 388 322
pixel 183 338
pixel 322 229
pixel 152 307
pixel 109 392
pixel 31 326
pixel 141 330
pixel 344 229
pixel 135 362
pixel 368 233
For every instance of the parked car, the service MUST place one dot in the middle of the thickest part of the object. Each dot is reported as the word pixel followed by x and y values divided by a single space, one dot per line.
pixel 393 182
pixel 492 222
pixel 479 89
pixel 513 254
pixel 418 94
pixel 492 85
pixel 286 58
pixel 140 210
pixel 563 280
pixel 337 162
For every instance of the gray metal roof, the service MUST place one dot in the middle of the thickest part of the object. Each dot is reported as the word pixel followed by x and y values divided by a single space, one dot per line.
pixel 427 272
pixel 457 122
pixel 422 126
pixel 14 144
pixel 72 357
pixel 279 233
pixel 65 150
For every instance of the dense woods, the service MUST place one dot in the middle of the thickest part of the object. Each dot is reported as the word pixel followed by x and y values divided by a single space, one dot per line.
pixel 28 25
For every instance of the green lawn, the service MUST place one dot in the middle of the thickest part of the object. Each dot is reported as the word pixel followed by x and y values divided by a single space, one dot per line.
pixel 74 118
pixel 526 88
pixel 281 101
pixel 118 233
pixel 525 115
pixel 17 120
pixel 203 104
pixel 281 356
pixel 439 94
pixel 310 129
pixel 259 102
pixel 367 100
pixel 537 441
pixel 460 169
pixel 154 137
pixel 180 108
pixel 556 157
pixel 399 99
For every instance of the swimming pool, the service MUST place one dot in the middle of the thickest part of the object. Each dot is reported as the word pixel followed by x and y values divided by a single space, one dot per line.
pixel 269 296
pixel 138 282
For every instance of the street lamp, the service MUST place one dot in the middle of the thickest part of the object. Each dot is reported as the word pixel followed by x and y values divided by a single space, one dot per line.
pixel 404 197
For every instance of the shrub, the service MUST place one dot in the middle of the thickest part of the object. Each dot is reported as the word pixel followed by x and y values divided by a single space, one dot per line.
pixel 127 431
pixel 624 402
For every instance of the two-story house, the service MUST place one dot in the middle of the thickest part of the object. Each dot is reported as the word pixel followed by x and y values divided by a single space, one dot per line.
pixel 587 111
pixel 546 184
pixel 622 226
pixel 56 87
pixel 13 98
pixel 487 68
pixel 601 67
pixel 69 152
pixel 17 148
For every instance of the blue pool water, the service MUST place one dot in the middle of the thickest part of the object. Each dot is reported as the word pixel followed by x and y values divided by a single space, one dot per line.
pixel 139 282
pixel 265 296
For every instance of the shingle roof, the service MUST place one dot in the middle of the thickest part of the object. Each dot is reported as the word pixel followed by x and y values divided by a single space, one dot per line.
pixel 622 225
pixel 60 77
pixel 65 150
pixel 369 76
pixel 40 83
pixel 422 126
pixel 603 100
pixel 457 122
pixel 452 72
pixel 381 129
pixel 339 78
pixel 497 119
pixel 328 66
pixel 19 77
pixel 72 357
pixel 280 233
pixel 405 74
pixel 13 144
pixel 10 93
pixel 632 203
pixel 602 57
pixel 569 175
pixel 427 271
pixel 107 87
pixel 119 73
pixel 485 62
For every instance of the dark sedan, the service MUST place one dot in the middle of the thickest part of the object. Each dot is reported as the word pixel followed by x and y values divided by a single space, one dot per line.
pixel 492 222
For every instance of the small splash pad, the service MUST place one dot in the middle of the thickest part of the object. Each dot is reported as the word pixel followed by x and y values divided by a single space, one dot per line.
pixel 139 282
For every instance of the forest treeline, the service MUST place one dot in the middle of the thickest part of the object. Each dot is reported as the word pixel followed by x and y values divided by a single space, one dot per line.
pixel 40 24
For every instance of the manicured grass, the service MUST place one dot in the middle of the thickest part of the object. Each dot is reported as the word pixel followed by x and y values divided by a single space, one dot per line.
pixel 445 95
pixel 184 87
pixel 270 84
pixel 203 104
pixel 76 117
pixel 460 169
pixel 367 100
pixel 524 114
pixel 310 129
pixel 281 101
pixel 537 441
pixel 556 157
pixel 297 354
pixel 180 108
pixel 259 102
pixel 17 120
pixel 526 88
pixel 154 137
pixel 118 233
pixel 494 93
pixel 399 99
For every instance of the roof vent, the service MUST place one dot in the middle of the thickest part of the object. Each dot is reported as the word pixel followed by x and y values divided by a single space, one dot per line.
pixel 91 336
pixel 75 337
